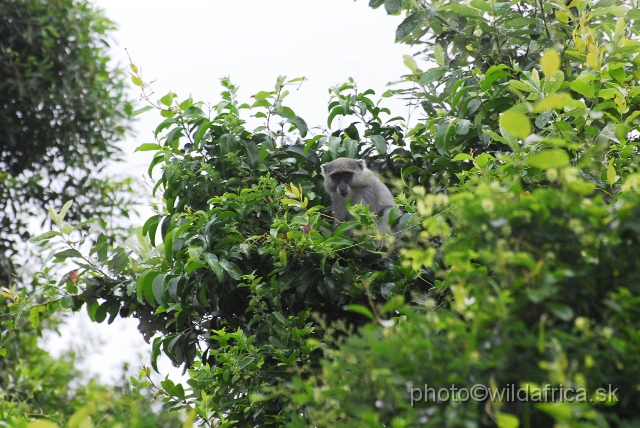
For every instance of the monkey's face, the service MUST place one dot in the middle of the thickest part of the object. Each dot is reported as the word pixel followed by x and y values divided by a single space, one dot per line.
pixel 342 182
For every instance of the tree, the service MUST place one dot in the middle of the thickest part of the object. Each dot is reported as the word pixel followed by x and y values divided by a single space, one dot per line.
pixel 62 111
pixel 522 176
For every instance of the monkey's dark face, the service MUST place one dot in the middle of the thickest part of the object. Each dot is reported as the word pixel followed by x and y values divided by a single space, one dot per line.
pixel 342 181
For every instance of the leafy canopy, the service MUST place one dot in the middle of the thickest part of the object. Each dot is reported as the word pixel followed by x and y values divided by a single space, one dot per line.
pixel 521 175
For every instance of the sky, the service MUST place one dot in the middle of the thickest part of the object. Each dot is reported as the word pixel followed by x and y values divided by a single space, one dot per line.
pixel 186 47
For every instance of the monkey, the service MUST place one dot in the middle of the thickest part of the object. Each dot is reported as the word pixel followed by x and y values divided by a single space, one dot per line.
pixel 350 178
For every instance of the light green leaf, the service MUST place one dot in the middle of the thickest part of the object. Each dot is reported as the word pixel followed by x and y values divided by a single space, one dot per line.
pixel 45 235
pixel 516 123
pixel 63 211
pixel 483 159
pixel 482 5
pixel 410 63
pixel 555 101
pixel 560 411
pixel 141 110
pixel 593 61
pixel 362 310
pixel 168 99
pixel 35 313
pixel 504 420
pixel 521 85
pixel 42 424
pixel 611 174
pixel 462 157
pixel 553 158
pixel 462 10
pixel 611 10
pixel 147 147
pixel 550 62
pixel 438 55
pixel 583 88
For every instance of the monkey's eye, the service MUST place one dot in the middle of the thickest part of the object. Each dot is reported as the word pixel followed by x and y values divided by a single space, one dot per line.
pixel 342 176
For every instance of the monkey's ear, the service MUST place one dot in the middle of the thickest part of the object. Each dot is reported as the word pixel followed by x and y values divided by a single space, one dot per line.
pixel 361 164
pixel 323 168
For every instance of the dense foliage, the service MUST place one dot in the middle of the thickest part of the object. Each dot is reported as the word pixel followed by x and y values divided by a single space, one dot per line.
pixel 521 272
pixel 61 111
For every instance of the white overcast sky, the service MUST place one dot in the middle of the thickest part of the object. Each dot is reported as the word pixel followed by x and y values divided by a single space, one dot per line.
pixel 187 46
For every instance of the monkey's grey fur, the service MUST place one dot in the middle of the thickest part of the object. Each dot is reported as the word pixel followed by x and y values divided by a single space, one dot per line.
pixel 350 178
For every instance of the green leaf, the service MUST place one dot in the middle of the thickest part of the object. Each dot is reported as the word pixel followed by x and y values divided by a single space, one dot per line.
pixel 393 6
pixel 438 55
pixel 550 62
pixel 521 85
pixel 227 144
pixel 246 361
pixel 46 235
pixel 611 174
pixel 194 112
pixel 214 264
pixel 410 170
pixel 593 61
pixel 280 317
pixel 63 212
pixel 520 22
pixel 144 287
pixel 483 5
pixel 62 255
pixel 410 22
pixel 410 63
pixel 483 159
pixel 159 289
pixel 560 411
pixel 232 269
pixel 42 424
pixel 553 158
pixel 462 126
pixel 300 124
pixel 611 10
pixel 462 157
pixel 167 100
pixel 442 143
pixel 363 310
pixel 555 101
pixel 380 143
pixel 101 312
pixel 285 112
pixel 516 123
pixel 35 314
pixel 431 76
pixel 253 153
pixel 148 147
pixel 141 110
pixel 585 89
pixel 463 10
pixel 504 420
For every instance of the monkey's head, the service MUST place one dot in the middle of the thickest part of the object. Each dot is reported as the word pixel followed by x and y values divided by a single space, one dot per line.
pixel 338 175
